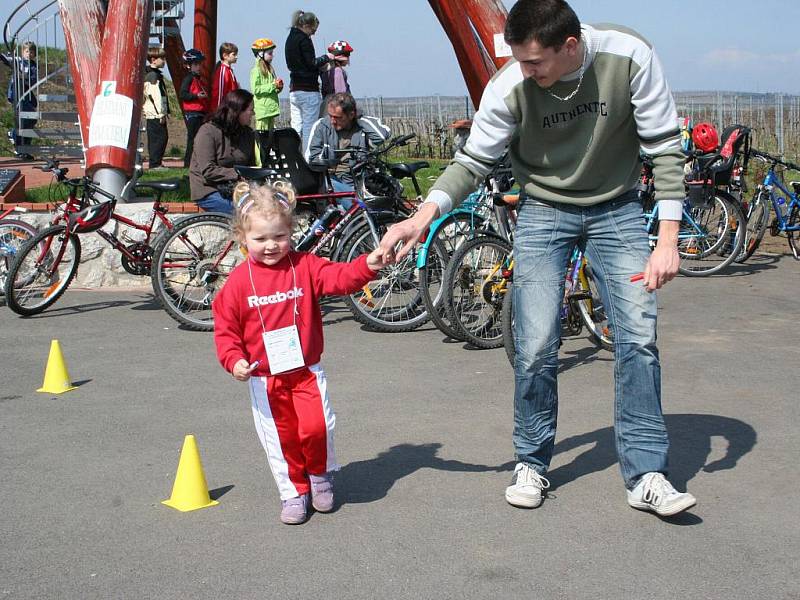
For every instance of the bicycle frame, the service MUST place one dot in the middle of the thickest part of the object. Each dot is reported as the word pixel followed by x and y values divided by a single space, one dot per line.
pixel 771 181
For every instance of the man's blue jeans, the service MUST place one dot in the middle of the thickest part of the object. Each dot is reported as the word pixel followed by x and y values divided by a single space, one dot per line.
pixel 340 185
pixel 616 246
pixel 215 202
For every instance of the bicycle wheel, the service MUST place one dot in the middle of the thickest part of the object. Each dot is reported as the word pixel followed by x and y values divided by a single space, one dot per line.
pixel 709 238
pixel 42 271
pixel 392 302
pixel 794 221
pixel 13 234
pixel 474 286
pixel 757 223
pixel 592 311
pixel 190 266
pixel 452 232
pixel 508 324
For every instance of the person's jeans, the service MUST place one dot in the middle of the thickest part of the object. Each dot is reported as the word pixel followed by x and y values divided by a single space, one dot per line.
pixel 304 110
pixel 342 186
pixel 215 202
pixel 193 122
pixel 616 245
pixel 157 137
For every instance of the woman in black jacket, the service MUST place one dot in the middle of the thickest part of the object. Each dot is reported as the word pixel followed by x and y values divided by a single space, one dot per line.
pixel 304 66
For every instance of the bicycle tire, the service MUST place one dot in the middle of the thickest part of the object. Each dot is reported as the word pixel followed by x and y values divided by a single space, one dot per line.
pixel 473 290
pixel 593 313
pixel 35 280
pixel 508 324
pixel 718 243
pixel 453 231
pixel 13 235
pixel 391 303
pixel 757 222
pixel 794 220
pixel 190 265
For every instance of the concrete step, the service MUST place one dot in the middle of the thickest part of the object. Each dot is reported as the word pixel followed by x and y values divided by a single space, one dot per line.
pixel 45 115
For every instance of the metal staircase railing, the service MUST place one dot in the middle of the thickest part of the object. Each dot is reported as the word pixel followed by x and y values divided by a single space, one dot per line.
pixel 56 129
pixel 45 116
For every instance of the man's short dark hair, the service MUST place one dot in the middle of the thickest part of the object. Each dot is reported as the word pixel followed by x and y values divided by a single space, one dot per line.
pixel 548 22
pixel 344 101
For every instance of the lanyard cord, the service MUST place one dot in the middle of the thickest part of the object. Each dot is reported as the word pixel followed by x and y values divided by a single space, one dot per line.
pixel 258 306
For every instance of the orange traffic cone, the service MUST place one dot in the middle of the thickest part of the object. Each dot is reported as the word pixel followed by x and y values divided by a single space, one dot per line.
pixel 56 378
pixel 190 490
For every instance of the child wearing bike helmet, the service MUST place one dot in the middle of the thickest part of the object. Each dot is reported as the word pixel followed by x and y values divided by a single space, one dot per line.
pixel 194 100
pixel 333 75
pixel 265 84
pixel 268 332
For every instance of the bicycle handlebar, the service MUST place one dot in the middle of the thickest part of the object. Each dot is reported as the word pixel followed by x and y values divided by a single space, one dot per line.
pixel 773 159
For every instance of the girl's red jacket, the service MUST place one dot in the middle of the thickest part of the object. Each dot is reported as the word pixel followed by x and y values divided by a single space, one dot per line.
pixel 237 327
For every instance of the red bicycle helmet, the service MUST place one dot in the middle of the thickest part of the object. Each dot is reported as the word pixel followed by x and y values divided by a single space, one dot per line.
pixel 91 218
pixel 340 48
pixel 704 137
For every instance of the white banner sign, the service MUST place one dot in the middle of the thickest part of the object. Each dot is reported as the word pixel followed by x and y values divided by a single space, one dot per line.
pixel 110 124
pixel 500 47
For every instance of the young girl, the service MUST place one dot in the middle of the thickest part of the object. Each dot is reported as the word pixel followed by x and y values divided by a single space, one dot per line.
pixel 265 84
pixel 268 330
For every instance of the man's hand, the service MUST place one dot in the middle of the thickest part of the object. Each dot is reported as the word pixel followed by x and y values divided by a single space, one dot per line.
pixel 663 264
pixel 408 232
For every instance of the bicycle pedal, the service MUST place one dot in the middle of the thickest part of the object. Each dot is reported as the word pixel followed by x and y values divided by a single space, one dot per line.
pixel 366 302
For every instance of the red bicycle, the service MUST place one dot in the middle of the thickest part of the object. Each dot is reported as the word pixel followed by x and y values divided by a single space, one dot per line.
pixel 46 264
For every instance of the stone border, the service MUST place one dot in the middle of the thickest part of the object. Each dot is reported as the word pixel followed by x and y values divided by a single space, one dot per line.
pixel 100 265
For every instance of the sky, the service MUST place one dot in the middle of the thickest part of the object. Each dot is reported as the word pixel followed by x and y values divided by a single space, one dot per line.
pixel 401 50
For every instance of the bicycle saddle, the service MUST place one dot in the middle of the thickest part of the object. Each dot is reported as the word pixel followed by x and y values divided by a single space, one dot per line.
pixel 255 173
pixel 401 170
pixel 169 185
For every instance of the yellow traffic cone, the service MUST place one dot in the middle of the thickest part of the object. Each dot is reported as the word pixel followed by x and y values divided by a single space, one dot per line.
pixel 190 490
pixel 56 378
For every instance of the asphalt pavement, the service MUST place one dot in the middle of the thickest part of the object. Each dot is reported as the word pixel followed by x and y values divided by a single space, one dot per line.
pixel 424 434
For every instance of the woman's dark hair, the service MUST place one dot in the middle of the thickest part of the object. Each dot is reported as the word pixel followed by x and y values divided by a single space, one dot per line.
pixel 301 18
pixel 226 117
pixel 548 22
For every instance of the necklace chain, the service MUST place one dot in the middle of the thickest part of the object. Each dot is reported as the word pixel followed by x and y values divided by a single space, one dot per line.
pixel 580 76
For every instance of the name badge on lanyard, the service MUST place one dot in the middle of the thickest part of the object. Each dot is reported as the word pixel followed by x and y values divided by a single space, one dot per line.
pixel 283 349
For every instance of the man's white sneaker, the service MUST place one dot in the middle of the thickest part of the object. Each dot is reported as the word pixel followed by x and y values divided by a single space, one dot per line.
pixel 526 487
pixel 656 494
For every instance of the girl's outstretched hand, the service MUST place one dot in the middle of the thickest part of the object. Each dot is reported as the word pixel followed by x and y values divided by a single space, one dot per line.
pixel 376 260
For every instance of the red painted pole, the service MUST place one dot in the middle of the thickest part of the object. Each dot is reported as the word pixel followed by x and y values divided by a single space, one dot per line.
pixel 173 46
pixel 489 18
pixel 205 35
pixel 476 67
pixel 83 22
pixel 118 93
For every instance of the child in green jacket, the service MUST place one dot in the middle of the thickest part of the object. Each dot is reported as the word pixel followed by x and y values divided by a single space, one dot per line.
pixel 265 85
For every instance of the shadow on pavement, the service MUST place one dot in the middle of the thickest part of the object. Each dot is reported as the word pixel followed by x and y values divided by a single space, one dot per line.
pixel 690 447
pixel 370 480
pixel 148 304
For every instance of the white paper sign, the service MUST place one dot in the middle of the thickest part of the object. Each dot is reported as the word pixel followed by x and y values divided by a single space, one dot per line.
pixel 501 49
pixel 283 349
pixel 110 124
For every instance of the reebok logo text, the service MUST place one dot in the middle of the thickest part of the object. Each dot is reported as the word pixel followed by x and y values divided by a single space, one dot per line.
pixel 254 301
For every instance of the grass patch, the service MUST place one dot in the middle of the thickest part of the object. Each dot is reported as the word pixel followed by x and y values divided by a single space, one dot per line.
pixel 58 192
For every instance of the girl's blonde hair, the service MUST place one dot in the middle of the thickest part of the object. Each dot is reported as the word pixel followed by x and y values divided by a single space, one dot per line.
pixel 268 200
pixel 265 68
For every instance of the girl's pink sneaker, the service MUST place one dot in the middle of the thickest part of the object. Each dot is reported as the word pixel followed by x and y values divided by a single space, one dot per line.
pixel 294 510
pixel 322 492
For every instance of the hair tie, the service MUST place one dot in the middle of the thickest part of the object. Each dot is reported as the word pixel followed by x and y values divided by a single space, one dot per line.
pixel 246 207
pixel 242 200
pixel 282 199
